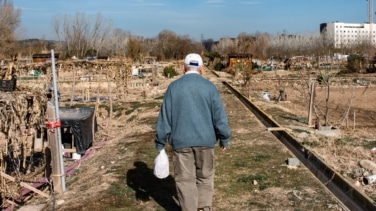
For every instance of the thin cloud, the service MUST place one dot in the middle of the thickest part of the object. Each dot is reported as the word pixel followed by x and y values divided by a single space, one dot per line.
pixel 143 3
pixel 150 5
pixel 214 1
pixel 250 2
pixel 30 9
pixel 221 3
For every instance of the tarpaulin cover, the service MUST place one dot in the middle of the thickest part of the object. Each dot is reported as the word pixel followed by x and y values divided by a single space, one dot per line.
pixel 82 123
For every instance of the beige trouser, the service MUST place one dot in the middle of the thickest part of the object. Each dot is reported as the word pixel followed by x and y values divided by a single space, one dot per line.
pixel 194 177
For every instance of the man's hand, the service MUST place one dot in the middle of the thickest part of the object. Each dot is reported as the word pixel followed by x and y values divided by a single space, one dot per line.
pixel 223 149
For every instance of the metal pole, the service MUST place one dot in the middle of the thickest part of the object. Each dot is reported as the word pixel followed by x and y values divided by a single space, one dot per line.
pixel 59 150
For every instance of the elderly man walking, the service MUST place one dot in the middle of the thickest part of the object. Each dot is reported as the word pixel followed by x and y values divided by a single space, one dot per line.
pixel 192 120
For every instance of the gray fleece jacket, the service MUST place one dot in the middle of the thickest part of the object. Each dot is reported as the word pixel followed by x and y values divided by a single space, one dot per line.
pixel 192 114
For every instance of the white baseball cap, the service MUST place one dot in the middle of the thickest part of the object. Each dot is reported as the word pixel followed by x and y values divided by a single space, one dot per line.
pixel 193 59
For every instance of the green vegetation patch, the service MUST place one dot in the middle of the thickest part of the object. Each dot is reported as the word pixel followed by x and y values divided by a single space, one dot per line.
pixel 311 143
pixel 135 105
pixel 169 72
pixel 346 141
pixel 82 105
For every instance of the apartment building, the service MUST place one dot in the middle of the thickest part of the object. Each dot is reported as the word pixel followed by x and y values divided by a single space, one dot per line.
pixel 348 34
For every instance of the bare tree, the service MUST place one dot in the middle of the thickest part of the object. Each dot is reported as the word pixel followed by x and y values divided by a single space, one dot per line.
pixel 244 43
pixel 166 42
pixel 82 35
pixel 117 44
pixel 260 45
pixel 225 46
pixel 9 21
pixel 101 31
pixel 208 44
pixel 134 48
pixel 186 45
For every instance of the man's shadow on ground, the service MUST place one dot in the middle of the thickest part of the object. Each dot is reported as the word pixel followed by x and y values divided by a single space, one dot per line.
pixel 142 180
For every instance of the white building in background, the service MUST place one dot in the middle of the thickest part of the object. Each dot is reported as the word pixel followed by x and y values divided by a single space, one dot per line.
pixel 348 34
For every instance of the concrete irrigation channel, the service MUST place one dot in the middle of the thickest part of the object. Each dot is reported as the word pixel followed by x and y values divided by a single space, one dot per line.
pixel 334 182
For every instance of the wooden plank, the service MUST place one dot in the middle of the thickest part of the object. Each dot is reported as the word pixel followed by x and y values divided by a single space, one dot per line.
pixel 53 143
pixel 73 150
pixel 275 128
pixel 25 185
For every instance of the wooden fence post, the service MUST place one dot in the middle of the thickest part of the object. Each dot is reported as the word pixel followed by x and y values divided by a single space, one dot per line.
pixel 58 176
pixel 312 93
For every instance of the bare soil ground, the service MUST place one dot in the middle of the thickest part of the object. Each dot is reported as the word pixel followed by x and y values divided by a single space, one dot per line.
pixel 101 181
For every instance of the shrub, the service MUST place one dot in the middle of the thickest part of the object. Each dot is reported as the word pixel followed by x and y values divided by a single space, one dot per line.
pixel 169 72
pixel 355 63
pixel 323 78
pixel 218 66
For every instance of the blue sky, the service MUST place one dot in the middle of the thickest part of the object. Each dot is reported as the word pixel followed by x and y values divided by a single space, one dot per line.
pixel 197 18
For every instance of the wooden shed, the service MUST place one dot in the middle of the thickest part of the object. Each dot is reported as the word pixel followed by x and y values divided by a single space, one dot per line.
pixel 242 58
pixel 44 57
pixel 106 58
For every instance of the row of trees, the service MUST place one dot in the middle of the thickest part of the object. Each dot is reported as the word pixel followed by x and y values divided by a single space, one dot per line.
pixel 83 36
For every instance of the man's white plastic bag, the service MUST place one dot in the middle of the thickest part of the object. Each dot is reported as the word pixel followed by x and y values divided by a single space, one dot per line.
pixel 161 165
